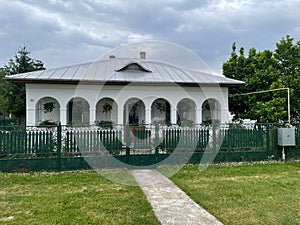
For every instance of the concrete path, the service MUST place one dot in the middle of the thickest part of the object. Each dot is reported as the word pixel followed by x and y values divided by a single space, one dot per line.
pixel 170 204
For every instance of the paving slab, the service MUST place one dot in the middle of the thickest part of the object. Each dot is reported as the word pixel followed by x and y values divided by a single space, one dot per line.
pixel 170 204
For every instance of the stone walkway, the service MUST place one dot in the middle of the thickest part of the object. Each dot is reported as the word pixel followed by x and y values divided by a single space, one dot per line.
pixel 170 204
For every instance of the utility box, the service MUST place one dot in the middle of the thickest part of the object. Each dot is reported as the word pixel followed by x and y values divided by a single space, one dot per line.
pixel 286 136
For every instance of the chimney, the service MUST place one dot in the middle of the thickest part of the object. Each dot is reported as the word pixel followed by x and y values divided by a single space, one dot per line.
pixel 142 55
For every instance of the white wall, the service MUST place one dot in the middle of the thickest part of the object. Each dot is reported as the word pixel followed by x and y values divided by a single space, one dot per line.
pixel 148 94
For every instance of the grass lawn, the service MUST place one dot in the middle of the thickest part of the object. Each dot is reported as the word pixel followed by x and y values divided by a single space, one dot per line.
pixel 71 198
pixel 246 194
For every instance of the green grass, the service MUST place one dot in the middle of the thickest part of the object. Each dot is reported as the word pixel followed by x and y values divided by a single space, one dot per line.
pixel 247 194
pixel 71 198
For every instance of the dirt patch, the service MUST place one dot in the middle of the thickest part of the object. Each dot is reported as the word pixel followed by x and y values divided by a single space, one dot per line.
pixel 7 219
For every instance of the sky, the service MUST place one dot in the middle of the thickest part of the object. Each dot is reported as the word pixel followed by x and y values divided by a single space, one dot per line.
pixel 63 32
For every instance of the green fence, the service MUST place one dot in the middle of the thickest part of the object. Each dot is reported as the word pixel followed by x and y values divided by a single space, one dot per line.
pixel 91 141
pixel 22 143
pixel 60 147
pixel 185 139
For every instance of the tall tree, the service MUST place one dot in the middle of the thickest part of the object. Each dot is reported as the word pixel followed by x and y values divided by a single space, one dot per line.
pixel 14 96
pixel 262 71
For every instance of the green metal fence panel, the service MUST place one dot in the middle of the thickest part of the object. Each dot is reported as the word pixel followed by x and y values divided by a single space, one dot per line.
pixel 241 138
pixel 185 139
pixel 92 141
pixel 142 139
pixel 18 142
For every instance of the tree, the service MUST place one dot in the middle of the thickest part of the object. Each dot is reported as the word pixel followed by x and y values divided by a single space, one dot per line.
pixel 3 99
pixel 13 97
pixel 262 71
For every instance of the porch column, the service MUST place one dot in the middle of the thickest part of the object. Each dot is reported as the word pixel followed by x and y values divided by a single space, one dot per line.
pixel 173 115
pixel 120 116
pixel 92 116
pixel 148 116
pixel 198 115
pixel 30 117
pixel 63 116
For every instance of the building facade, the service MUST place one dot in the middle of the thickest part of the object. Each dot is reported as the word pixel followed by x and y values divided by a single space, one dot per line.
pixel 125 91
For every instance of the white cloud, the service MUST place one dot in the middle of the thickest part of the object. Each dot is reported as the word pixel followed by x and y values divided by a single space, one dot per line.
pixel 60 27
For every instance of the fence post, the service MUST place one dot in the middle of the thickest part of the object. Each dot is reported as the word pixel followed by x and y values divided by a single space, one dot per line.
pixel 156 141
pixel 58 147
pixel 268 136
pixel 214 126
pixel 127 140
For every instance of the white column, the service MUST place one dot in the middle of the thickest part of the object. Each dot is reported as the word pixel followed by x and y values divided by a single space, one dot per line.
pixel 198 115
pixel 148 116
pixel 120 116
pixel 63 116
pixel 92 116
pixel 173 115
pixel 30 117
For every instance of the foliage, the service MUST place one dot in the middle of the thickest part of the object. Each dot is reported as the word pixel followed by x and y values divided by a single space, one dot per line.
pixel 107 107
pixel 48 107
pixel 104 124
pixel 47 123
pixel 261 71
pixel 12 96
pixel 160 106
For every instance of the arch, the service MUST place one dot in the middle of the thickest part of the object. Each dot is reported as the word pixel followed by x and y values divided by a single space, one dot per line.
pixel 47 111
pixel 161 111
pixel 211 111
pixel 186 112
pixel 78 111
pixel 134 111
pixel 107 110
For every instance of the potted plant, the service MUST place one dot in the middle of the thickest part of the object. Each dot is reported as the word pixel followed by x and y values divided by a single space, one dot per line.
pixel 48 107
pixel 107 107
pixel 161 107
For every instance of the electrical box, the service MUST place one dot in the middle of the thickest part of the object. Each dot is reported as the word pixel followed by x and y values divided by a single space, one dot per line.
pixel 286 136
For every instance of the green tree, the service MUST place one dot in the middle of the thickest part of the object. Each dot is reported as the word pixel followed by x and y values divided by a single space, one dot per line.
pixel 262 71
pixel 13 97
pixel 3 99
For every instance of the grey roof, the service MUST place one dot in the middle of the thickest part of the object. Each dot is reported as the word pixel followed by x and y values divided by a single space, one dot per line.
pixel 116 70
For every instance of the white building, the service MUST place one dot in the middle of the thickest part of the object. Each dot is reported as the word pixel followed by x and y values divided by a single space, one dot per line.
pixel 125 90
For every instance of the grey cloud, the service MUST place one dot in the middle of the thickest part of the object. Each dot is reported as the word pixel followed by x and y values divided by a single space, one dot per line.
pixel 55 29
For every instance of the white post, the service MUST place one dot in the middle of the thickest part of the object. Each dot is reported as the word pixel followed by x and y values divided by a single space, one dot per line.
pixel 120 116
pixel 92 116
pixel 198 115
pixel 63 116
pixel 30 117
pixel 173 115
pixel 148 116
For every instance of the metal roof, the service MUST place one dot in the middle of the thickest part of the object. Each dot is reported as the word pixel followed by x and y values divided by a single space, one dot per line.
pixel 118 70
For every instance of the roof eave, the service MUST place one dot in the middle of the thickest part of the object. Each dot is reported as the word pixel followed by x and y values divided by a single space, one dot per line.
pixel 92 82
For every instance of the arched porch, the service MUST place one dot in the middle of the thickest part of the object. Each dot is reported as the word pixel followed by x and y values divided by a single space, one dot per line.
pixel 78 112
pixel 211 111
pixel 47 111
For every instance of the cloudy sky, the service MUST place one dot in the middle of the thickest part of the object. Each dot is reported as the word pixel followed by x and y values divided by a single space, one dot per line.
pixel 63 32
